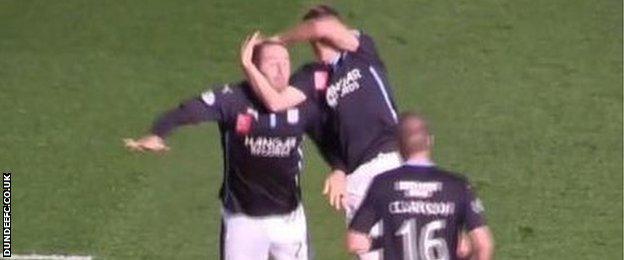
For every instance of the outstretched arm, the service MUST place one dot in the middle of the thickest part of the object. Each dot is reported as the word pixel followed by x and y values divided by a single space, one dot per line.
pixel 329 29
pixel 274 100
pixel 192 111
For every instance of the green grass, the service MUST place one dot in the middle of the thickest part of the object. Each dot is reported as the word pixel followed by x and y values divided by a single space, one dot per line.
pixel 525 98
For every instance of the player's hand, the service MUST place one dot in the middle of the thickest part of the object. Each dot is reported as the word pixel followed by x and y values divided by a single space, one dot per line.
pixel 276 38
pixel 152 143
pixel 464 247
pixel 336 189
pixel 358 243
pixel 247 48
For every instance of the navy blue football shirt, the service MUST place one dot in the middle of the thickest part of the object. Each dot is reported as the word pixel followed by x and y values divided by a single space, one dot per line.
pixel 262 150
pixel 422 209
pixel 359 100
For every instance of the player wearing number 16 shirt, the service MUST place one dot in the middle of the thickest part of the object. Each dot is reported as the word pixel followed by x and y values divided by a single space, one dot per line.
pixel 423 208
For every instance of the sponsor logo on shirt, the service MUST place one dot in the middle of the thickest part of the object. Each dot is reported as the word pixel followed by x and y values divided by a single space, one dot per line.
pixel 263 146
pixel 417 189
pixel 344 86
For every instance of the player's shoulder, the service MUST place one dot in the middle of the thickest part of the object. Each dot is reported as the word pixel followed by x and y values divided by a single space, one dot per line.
pixel 304 78
pixel 362 35
pixel 453 177
pixel 390 175
pixel 367 49
pixel 220 93
pixel 225 89
pixel 307 68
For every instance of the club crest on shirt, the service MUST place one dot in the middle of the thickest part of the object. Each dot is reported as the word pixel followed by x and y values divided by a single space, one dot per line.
pixel 321 79
pixel 243 124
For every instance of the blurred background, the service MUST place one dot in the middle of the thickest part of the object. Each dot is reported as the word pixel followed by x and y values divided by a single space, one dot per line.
pixel 525 98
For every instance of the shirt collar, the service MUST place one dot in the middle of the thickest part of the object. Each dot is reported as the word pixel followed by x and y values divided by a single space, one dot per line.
pixel 420 162
pixel 333 64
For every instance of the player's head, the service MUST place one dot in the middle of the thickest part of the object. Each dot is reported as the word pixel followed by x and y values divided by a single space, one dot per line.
pixel 273 60
pixel 414 135
pixel 323 50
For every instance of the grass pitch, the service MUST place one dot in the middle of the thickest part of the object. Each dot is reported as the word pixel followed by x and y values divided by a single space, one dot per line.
pixel 525 98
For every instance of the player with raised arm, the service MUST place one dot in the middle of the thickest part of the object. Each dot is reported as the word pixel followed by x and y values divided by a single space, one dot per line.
pixel 350 81
pixel 262 214
pixel 423 207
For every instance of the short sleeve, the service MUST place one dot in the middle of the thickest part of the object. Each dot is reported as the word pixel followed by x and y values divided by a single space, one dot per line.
pixel 367 215
pixel 473 210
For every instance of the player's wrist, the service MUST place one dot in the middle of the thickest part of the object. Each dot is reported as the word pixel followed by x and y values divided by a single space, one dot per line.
pixel 338 172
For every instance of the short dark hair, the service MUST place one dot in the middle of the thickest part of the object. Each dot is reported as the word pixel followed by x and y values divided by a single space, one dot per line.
pixel 413 133
pixel 255 58
pixel 320 11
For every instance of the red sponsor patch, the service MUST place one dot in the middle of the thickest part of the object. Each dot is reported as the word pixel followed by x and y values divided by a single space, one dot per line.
pixel 243 124
pixel 321 78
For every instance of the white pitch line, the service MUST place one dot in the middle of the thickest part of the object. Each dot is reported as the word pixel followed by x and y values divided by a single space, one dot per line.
pixel 51 257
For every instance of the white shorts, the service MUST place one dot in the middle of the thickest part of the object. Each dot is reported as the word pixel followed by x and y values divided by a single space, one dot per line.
pixel 282 237
pixel 357 186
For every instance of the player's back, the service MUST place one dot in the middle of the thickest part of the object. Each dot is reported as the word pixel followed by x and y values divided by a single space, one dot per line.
pixel 423 208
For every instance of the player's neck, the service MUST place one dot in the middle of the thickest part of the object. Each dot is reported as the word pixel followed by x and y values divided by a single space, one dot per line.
pixel 420 159
pixel 330 57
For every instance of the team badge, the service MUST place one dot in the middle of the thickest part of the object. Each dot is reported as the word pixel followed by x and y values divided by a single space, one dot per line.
pixel 321 79
pixel 243 124
pixel 292 116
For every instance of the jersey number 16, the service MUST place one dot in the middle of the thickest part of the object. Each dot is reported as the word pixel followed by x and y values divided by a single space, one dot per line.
pixel 430 248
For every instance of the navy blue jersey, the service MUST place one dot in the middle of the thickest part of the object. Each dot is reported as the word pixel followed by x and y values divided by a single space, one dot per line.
pixel 262 150
pixel 360 101
pixel 423 209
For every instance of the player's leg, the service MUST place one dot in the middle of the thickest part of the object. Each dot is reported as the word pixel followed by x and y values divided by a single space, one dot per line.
pixel 289 238
pixel 243 238
pixel 357 186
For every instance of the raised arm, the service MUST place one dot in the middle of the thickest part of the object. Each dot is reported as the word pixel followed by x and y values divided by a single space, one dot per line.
pixel 330 29
pixel 273 99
